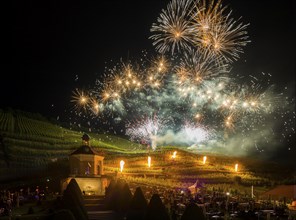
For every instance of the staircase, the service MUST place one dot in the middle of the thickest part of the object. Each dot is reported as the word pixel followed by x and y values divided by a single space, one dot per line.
pixel 94 203
pixel 103 215
pixel 95 209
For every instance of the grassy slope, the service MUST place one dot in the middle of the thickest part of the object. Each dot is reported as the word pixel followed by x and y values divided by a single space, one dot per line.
pixel 34 144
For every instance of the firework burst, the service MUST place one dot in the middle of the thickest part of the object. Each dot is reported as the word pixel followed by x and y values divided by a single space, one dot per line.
pixel 145 130
pixel 191 97
pixel 195 133
pixel 80 99
pixel 173 28
pixel 216 33
pixel 203 25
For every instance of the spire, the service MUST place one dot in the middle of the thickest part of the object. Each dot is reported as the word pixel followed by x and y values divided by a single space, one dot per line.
pixel 85 139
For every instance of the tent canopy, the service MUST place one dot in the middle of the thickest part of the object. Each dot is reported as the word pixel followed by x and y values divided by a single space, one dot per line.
pixel 281 191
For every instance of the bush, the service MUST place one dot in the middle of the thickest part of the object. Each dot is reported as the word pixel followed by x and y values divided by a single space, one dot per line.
pixel 113 195
pixel 124 199
pixel 193 212
pixel 156 210
pixel 138 206
pixel 73 200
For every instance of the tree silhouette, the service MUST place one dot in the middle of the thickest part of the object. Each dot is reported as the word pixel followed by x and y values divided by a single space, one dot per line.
pixel 138 206
pixel 156 209
pixel 193 212
pixel 73 201
pixel 125 198
pixel 112 198
pixel 109 195
pixel 117 194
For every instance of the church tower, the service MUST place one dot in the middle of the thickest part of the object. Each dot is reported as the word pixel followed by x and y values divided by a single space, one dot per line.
pixel 85 161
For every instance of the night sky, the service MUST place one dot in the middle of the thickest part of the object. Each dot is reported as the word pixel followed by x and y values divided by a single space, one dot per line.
pixel 53 42
pixel 58 46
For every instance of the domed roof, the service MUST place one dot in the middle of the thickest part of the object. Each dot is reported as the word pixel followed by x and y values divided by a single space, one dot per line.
pixel 85 149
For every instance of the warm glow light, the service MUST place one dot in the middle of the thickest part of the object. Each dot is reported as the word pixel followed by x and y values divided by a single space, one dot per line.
pixel 197 116
pixel 149 161
pixel 121 165
pixel 83 100
pixel 204 159
pixel 217 46
pixel 174 154
pixel 236 167
pixel 198 79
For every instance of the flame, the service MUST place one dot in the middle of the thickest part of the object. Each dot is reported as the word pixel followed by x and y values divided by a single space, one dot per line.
pixel 174 154
pixel 204 159
pixel 236 167
pixel 149 161
pixel 121 165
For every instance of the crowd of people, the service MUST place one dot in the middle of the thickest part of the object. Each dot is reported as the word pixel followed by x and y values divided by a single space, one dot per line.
pixel 215 204
pixel 10 199
pixel 218 204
